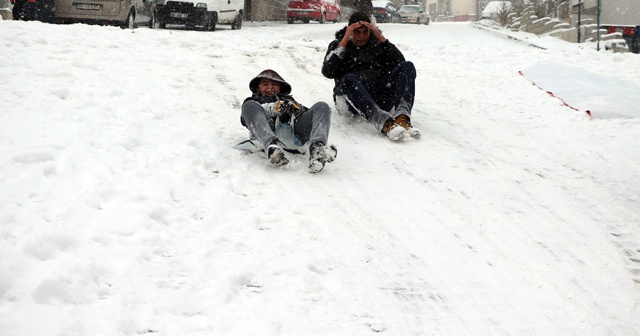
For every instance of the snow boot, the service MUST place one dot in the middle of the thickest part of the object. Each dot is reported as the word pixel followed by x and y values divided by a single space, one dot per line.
pixel 392 130
pixel 319 154
pixel 275 153
pixel 404 121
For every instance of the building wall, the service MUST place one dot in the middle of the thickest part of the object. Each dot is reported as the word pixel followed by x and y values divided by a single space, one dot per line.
pixel 612 12
pixel 454 10
pixel 625 12
pixel 464 7
pixel 262 10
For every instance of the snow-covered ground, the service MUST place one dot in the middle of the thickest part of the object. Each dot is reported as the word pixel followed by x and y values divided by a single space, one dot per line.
pixel 124 209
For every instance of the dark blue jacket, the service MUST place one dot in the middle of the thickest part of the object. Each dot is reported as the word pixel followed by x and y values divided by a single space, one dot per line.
pixel 370 61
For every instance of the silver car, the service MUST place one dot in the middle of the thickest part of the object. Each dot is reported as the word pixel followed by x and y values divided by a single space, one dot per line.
pixel 414 14
pixel 123 13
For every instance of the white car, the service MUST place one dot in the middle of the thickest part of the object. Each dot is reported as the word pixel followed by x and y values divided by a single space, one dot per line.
pixel 414 14
pixel 493 9
pixel 204 13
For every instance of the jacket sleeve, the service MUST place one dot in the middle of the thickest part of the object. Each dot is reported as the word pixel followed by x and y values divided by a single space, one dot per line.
pixel 392 55
pixel 332 59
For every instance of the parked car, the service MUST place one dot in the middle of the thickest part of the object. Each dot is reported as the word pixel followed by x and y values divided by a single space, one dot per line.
pixel 204 13
pixel 493 9
pixel 123 13
pixel 5 10
pixel 385 11
pixel 313 10
pixel 414 14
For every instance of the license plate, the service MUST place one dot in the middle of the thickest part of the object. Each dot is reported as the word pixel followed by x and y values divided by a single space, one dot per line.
pixel 179 15
pixel 84 6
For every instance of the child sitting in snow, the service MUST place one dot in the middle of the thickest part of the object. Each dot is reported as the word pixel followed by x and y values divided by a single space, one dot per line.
pixel 280 123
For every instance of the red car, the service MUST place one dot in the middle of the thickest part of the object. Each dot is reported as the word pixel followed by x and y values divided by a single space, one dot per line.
pixel 316 10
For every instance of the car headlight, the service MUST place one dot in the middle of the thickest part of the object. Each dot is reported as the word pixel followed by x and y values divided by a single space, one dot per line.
pixel 201 5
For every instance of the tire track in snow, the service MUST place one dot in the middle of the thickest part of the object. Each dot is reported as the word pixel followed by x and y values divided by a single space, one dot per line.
pixel 629 249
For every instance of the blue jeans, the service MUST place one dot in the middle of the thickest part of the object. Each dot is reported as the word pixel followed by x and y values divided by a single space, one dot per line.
pixel 313 125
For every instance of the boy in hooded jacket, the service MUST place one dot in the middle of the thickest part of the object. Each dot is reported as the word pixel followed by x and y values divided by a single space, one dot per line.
pixel 372 77
pixel 280 123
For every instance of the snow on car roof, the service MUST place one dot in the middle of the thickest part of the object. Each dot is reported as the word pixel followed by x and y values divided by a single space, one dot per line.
pixel 379 3
pixel 494 7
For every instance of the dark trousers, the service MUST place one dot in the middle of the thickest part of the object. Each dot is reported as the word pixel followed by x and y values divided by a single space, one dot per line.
pixel 381 98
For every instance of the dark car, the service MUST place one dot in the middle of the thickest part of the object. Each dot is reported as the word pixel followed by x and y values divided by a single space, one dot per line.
pixel 385 11
pixel 204 13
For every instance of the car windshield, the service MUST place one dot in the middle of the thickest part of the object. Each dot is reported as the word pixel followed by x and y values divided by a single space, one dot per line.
pixel 409 9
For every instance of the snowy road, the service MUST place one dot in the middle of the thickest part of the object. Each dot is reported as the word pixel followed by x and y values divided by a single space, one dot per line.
pixel 124 210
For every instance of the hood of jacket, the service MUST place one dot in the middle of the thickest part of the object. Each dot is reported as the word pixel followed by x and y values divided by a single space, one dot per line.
pixel 285 88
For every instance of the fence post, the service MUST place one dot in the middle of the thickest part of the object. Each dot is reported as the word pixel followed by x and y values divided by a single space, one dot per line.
pixel 579 14
pixel 598 46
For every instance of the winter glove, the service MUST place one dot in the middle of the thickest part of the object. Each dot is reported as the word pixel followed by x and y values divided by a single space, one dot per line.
pixel 272 109
pixel 292 108
pixel 283 107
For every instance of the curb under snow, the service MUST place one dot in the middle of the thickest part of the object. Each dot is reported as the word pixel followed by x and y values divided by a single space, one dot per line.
pixel 505 35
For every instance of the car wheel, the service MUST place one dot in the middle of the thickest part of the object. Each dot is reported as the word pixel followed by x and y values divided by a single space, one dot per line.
pixel 23 10
pixel 211 24
pixel 129 22
pixel 17 9
pixel 337 18
pixel 305 21
pixel 237 23
pixel 206 21
pixel 418 21
pixel 153 23
pixel 289 20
